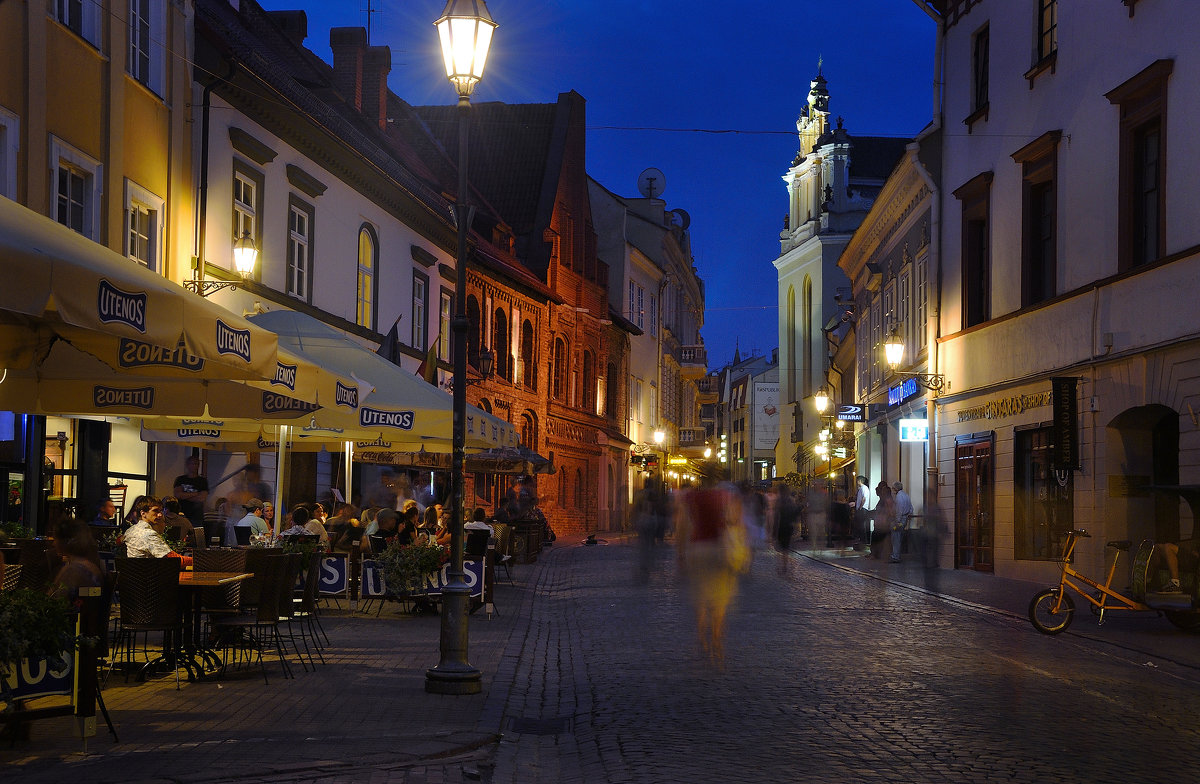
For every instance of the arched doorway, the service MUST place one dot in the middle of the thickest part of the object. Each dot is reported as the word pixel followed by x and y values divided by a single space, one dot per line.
pixel 1142 451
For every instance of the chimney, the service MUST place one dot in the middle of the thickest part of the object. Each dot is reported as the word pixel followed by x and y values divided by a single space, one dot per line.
pixel 376 67
pixel 349 45
pixel 293 24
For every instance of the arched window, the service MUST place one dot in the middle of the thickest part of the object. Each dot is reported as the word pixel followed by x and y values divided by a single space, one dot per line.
pixel 562 488
pixel 528 360
pixel 610 392
pixel 580 490
pixel 589 382
pixel 789 336
pixel 364 312
pixel 809 336
pixel 529 430
pixel 473 330
pixel 500 345
pixel 558 373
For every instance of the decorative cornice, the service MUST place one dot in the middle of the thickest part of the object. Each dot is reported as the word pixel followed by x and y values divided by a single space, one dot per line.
pixel 252 148
pixel 305 181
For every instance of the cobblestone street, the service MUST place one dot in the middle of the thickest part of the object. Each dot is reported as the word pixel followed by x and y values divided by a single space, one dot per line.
pixel 831 675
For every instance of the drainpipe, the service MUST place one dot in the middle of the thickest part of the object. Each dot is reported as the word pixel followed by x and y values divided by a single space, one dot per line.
pixel 935 244
pixel 202 200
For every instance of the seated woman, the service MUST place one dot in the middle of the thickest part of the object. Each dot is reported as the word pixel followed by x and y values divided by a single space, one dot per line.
pixel 144 538
pixel 82 567
pixel 408 533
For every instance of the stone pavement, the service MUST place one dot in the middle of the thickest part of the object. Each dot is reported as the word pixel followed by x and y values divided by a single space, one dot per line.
pixel 546 660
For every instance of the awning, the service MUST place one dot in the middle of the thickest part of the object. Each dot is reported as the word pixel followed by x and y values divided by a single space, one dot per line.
pixel 375 399
pixel 66 300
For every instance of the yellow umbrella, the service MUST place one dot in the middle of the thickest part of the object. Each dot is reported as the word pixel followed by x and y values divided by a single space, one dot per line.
pixel 59 284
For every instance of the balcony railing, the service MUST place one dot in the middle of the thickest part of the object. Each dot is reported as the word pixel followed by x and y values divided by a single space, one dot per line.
pixel 691 436
pixel 693 355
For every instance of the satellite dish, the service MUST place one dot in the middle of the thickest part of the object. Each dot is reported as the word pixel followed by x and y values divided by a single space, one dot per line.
pixel 681 219
pixel 651 183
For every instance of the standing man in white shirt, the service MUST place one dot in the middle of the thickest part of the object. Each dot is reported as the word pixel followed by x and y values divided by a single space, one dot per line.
pixel 862 511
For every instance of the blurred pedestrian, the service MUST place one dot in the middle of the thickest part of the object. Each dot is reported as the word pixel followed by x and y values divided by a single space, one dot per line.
pixel 787 516
pixel 647 521
pixel 904 513
pixel 862 512
pixel 191 488
pixel 885 519
pixel 712 549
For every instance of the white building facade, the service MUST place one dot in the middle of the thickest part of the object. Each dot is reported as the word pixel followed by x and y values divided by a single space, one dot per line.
pixel 1066 328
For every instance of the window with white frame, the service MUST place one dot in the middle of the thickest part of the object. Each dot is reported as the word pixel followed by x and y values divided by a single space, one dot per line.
pixel 903 311
pixel 364 310
pixel 876 339
pixel 10 141
pixel 443 338
pixel 862 335
pixel 653 316
pixel 80 16
pixel 147 31
pixel 420 309
pixel 75 180
pixel 890 316
pixel 299 249
pixel 635 396
pixel 245 203
pixel 920 296
pixel 641 308
pixel 653 404
pixel 632 300
pixel 144 213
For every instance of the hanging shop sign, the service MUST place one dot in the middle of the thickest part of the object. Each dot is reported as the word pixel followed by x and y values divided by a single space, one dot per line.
pixel 852 412
pixel 1066 441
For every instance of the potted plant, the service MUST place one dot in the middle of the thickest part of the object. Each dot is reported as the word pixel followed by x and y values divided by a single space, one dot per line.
pixel 405 565
pixel 32 626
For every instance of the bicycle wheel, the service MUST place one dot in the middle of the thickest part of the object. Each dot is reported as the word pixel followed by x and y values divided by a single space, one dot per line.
pixel 1186 620
pixel 1042 614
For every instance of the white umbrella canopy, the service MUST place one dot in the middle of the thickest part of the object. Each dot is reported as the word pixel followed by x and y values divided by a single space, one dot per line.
pixel 401 408
pixel 59 284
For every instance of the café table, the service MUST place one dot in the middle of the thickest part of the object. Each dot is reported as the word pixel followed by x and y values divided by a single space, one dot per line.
pixel 198 652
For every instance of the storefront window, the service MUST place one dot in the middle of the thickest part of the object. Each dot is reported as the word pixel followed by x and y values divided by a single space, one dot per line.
pixel 12 466
pixel 1044 508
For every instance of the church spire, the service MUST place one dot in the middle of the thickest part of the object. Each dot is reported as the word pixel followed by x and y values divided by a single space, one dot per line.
pixel 814 117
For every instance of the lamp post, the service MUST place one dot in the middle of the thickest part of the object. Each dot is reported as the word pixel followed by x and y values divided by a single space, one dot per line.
pixel 660 436
pixel 465 31
pixel 245 255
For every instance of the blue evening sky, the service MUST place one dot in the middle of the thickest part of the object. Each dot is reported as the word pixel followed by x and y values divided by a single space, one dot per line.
pixel 659 77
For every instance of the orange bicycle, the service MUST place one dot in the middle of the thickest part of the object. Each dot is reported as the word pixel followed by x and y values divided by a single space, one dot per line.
pixel 1052 610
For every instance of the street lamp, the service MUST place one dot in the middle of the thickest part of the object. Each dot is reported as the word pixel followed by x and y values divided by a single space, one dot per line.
pixel 465 30
pixel 245 255
pixel 893 352
pixel 659 437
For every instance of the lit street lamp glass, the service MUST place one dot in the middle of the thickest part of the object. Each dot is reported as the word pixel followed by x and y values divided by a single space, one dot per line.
pixel 465 29
pixel 244 254
pixel 893 349
pixel 821 400
pixel 659 437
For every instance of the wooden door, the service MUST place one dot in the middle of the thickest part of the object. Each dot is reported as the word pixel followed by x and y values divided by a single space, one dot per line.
pixel 973 493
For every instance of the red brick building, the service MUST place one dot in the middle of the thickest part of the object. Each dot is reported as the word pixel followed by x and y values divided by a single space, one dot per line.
pixel 537 298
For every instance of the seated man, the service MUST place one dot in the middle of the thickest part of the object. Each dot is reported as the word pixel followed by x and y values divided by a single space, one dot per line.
pixel 1172 553
pixel 144 538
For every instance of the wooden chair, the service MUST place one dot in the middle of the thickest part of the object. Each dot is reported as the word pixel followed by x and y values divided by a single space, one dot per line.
pixel 116 494
pixel 306 605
